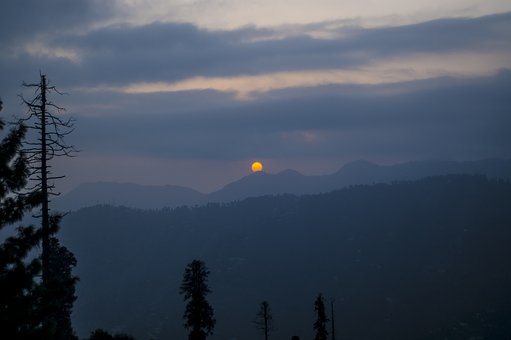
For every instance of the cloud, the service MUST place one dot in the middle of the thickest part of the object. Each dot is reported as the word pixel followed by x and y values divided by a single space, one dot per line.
pixel 232 14
pixel 388 71
pixel 22 21
pixel 178 54
pixel 174 52
pixel 438 118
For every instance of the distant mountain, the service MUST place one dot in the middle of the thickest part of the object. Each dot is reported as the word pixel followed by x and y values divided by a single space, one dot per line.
pixel 261 183
pixel 127 194
pixel 427 259
pixel 362 172
pixel 354 173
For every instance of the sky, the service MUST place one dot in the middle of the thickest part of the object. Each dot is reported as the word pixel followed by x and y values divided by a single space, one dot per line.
pixel 182 92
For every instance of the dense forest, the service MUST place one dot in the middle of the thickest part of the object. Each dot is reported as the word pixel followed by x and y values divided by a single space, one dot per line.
pixel 426 259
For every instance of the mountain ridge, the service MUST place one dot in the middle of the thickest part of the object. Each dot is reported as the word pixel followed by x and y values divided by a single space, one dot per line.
pixel 262 183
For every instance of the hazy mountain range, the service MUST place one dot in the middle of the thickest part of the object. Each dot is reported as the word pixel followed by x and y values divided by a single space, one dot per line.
pixel 426 259
pixel 259 184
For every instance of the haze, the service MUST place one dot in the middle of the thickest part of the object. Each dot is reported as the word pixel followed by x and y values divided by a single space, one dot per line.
pixel 192 92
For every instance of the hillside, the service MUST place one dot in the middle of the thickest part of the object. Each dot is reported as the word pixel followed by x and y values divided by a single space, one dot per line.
pixel 427 259
pixel 260 184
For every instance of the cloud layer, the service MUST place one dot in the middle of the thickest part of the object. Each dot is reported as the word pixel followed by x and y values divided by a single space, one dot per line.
pixel 318 92
pixel 169 52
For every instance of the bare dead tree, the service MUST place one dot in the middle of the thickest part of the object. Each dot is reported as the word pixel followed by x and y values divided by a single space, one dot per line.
pixel 44 117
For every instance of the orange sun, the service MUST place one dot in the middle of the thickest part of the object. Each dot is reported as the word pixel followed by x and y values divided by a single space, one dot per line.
pixel 257 166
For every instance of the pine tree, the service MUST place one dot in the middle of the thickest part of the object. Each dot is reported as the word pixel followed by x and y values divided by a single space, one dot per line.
pixel 198 313
pixel 60 289
pixel 20 316
pixel 264 319
pixel 321 320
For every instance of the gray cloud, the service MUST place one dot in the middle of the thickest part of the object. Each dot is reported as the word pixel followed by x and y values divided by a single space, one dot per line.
pixel 28 22
pixel 443 35
pixel 439 118
pixel 23 20
pixel 169 52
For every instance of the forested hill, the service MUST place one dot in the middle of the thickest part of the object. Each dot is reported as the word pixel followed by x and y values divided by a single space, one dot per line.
pixel 259 184
pixel 429 259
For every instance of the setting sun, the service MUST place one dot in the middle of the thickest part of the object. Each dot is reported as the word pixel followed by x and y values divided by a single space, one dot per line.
pixel 257 166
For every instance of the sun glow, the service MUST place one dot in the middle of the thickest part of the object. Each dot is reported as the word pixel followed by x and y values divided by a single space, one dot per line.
pixel 257 166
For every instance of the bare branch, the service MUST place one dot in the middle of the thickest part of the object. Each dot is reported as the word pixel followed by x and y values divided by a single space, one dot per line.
pixel 42 117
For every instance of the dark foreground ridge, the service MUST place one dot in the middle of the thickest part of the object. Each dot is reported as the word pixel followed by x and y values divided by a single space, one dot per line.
pixel 427 259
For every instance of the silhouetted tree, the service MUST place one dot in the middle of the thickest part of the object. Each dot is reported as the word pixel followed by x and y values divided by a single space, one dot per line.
pixel 57 291
pixel 20 316
pixel 60 290
pixel 321 319
pixel 264 319
pixel 198 314
pixel 50 144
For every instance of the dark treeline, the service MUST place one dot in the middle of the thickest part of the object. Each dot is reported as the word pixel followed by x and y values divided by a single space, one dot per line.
pixel 426 259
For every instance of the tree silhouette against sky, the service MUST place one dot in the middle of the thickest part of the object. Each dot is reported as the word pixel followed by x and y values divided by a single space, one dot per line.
pixel 198 313
pixel 264 319
pixel 321 319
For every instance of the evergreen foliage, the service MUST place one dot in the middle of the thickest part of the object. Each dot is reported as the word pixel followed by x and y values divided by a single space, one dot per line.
pixel 321 319
pixel 198 314
pixel 20 316
pixel 31 308
pixel 60 290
